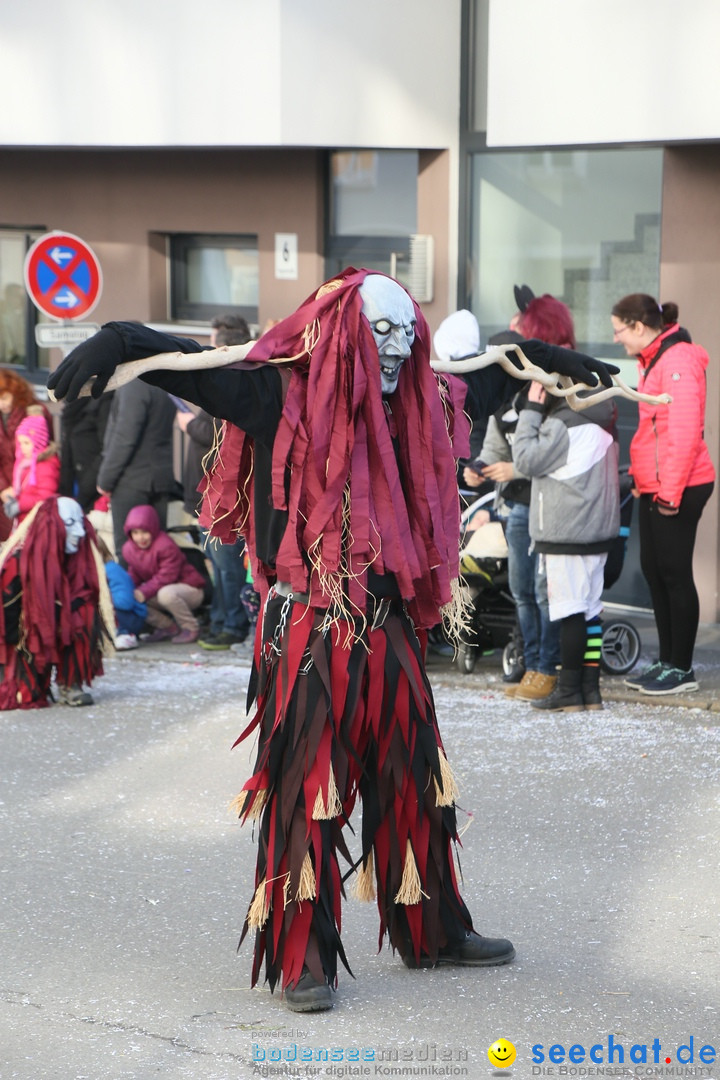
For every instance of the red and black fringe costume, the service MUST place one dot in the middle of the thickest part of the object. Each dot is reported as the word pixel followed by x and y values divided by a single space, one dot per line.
pixel 342 702
pixel 50 617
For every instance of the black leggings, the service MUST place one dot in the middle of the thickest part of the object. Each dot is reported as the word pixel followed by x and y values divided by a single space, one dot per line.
pixel 666 555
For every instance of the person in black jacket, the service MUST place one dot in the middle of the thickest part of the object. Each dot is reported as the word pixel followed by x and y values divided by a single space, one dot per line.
pixel 137 458
pixel 82 431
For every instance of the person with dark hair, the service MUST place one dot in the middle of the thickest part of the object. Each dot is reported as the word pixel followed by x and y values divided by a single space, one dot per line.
pixel 229 321
pixel 673 478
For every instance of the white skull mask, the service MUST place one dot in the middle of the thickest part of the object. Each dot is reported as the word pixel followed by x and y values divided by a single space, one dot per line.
pixel 73 519
pixel 391 315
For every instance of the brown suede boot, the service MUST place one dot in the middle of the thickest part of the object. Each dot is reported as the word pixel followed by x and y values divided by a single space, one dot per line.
pixel 540 687
pixel 514 688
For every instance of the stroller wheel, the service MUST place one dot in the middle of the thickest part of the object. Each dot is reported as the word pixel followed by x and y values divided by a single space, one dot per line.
pixel 621 648
pixel 466 657
pixel 512 659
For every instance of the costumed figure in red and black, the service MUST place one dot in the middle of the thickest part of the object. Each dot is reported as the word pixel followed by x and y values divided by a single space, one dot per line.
pixel 55 608
pixel 338 467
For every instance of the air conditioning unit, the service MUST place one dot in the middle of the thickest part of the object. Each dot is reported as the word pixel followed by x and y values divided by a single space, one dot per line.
pixel 416 270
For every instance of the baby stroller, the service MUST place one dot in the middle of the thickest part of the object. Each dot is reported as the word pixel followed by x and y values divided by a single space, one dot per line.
pixel 484 577
pixel 621 644
pixel 494 623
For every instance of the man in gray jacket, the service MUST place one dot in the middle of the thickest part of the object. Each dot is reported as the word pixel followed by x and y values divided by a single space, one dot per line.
pixel 137 457
pixel 572 458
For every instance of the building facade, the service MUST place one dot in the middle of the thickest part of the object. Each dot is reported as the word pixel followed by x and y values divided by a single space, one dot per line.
pixel 237 158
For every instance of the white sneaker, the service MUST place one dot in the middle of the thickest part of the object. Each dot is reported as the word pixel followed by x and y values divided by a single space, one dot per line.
pixel 126 641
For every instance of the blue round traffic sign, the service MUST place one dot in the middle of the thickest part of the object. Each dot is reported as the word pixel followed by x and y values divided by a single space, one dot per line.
pixel 63 276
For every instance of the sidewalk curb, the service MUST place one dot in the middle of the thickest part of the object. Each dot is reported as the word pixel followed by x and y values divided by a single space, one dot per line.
pixel 487 676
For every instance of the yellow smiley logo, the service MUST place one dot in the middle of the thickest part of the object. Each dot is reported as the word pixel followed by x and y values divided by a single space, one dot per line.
pixel 501 1053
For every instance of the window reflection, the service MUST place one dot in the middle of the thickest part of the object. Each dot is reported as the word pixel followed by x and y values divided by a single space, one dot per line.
pixel 583 225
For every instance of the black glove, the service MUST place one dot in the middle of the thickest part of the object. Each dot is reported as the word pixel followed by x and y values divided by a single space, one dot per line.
pixel 577 366
pixel 98 356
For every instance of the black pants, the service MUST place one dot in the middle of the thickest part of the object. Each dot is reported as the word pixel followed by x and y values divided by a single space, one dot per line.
pixel 666 555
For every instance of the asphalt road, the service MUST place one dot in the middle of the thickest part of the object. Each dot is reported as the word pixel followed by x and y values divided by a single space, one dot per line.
pixel 593 842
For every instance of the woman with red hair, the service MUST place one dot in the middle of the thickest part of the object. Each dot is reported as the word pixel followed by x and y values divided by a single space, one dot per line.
pixel 547 319
pixel 16 398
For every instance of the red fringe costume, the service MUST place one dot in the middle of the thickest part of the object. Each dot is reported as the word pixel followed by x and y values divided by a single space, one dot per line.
pixel 50 616
pixel 343 706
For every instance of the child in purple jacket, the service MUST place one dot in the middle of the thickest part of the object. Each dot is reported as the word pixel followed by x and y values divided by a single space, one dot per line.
pixel 163 578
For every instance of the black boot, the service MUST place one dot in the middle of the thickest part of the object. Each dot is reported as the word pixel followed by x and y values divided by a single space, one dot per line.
pixel 591 688
pixel 567 695
pixel 308 995
pixel 472 950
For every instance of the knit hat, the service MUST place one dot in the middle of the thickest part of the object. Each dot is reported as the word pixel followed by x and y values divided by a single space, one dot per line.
pixel 35 428
pixel 457 336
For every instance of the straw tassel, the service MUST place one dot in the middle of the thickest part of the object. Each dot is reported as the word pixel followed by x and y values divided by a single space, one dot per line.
pixel 307 889
pixel 410 890
pixel 450 791
pixel 237 806
pixel 260 908
pixel 334 808
pixel 238 803
pixel 364 888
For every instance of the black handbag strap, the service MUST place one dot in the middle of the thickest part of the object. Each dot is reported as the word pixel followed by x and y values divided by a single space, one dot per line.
pixel 672 339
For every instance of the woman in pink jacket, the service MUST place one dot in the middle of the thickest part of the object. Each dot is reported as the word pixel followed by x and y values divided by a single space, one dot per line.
pixel 673 477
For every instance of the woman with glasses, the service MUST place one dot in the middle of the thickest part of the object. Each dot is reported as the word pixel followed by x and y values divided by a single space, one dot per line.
pixel 673 477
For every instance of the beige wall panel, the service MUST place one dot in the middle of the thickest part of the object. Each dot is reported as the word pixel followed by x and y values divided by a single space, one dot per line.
pixel 690 275
pixel 122 202
pixel 433 185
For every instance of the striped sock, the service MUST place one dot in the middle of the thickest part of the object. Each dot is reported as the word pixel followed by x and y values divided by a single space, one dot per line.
pixel 593 642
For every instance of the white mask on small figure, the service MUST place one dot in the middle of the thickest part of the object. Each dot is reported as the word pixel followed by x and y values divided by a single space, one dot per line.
pixel 391 315
pixel 73 519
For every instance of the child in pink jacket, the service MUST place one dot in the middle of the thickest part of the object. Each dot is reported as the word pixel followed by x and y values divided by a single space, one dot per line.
pixel 36 475
pixel 163 578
